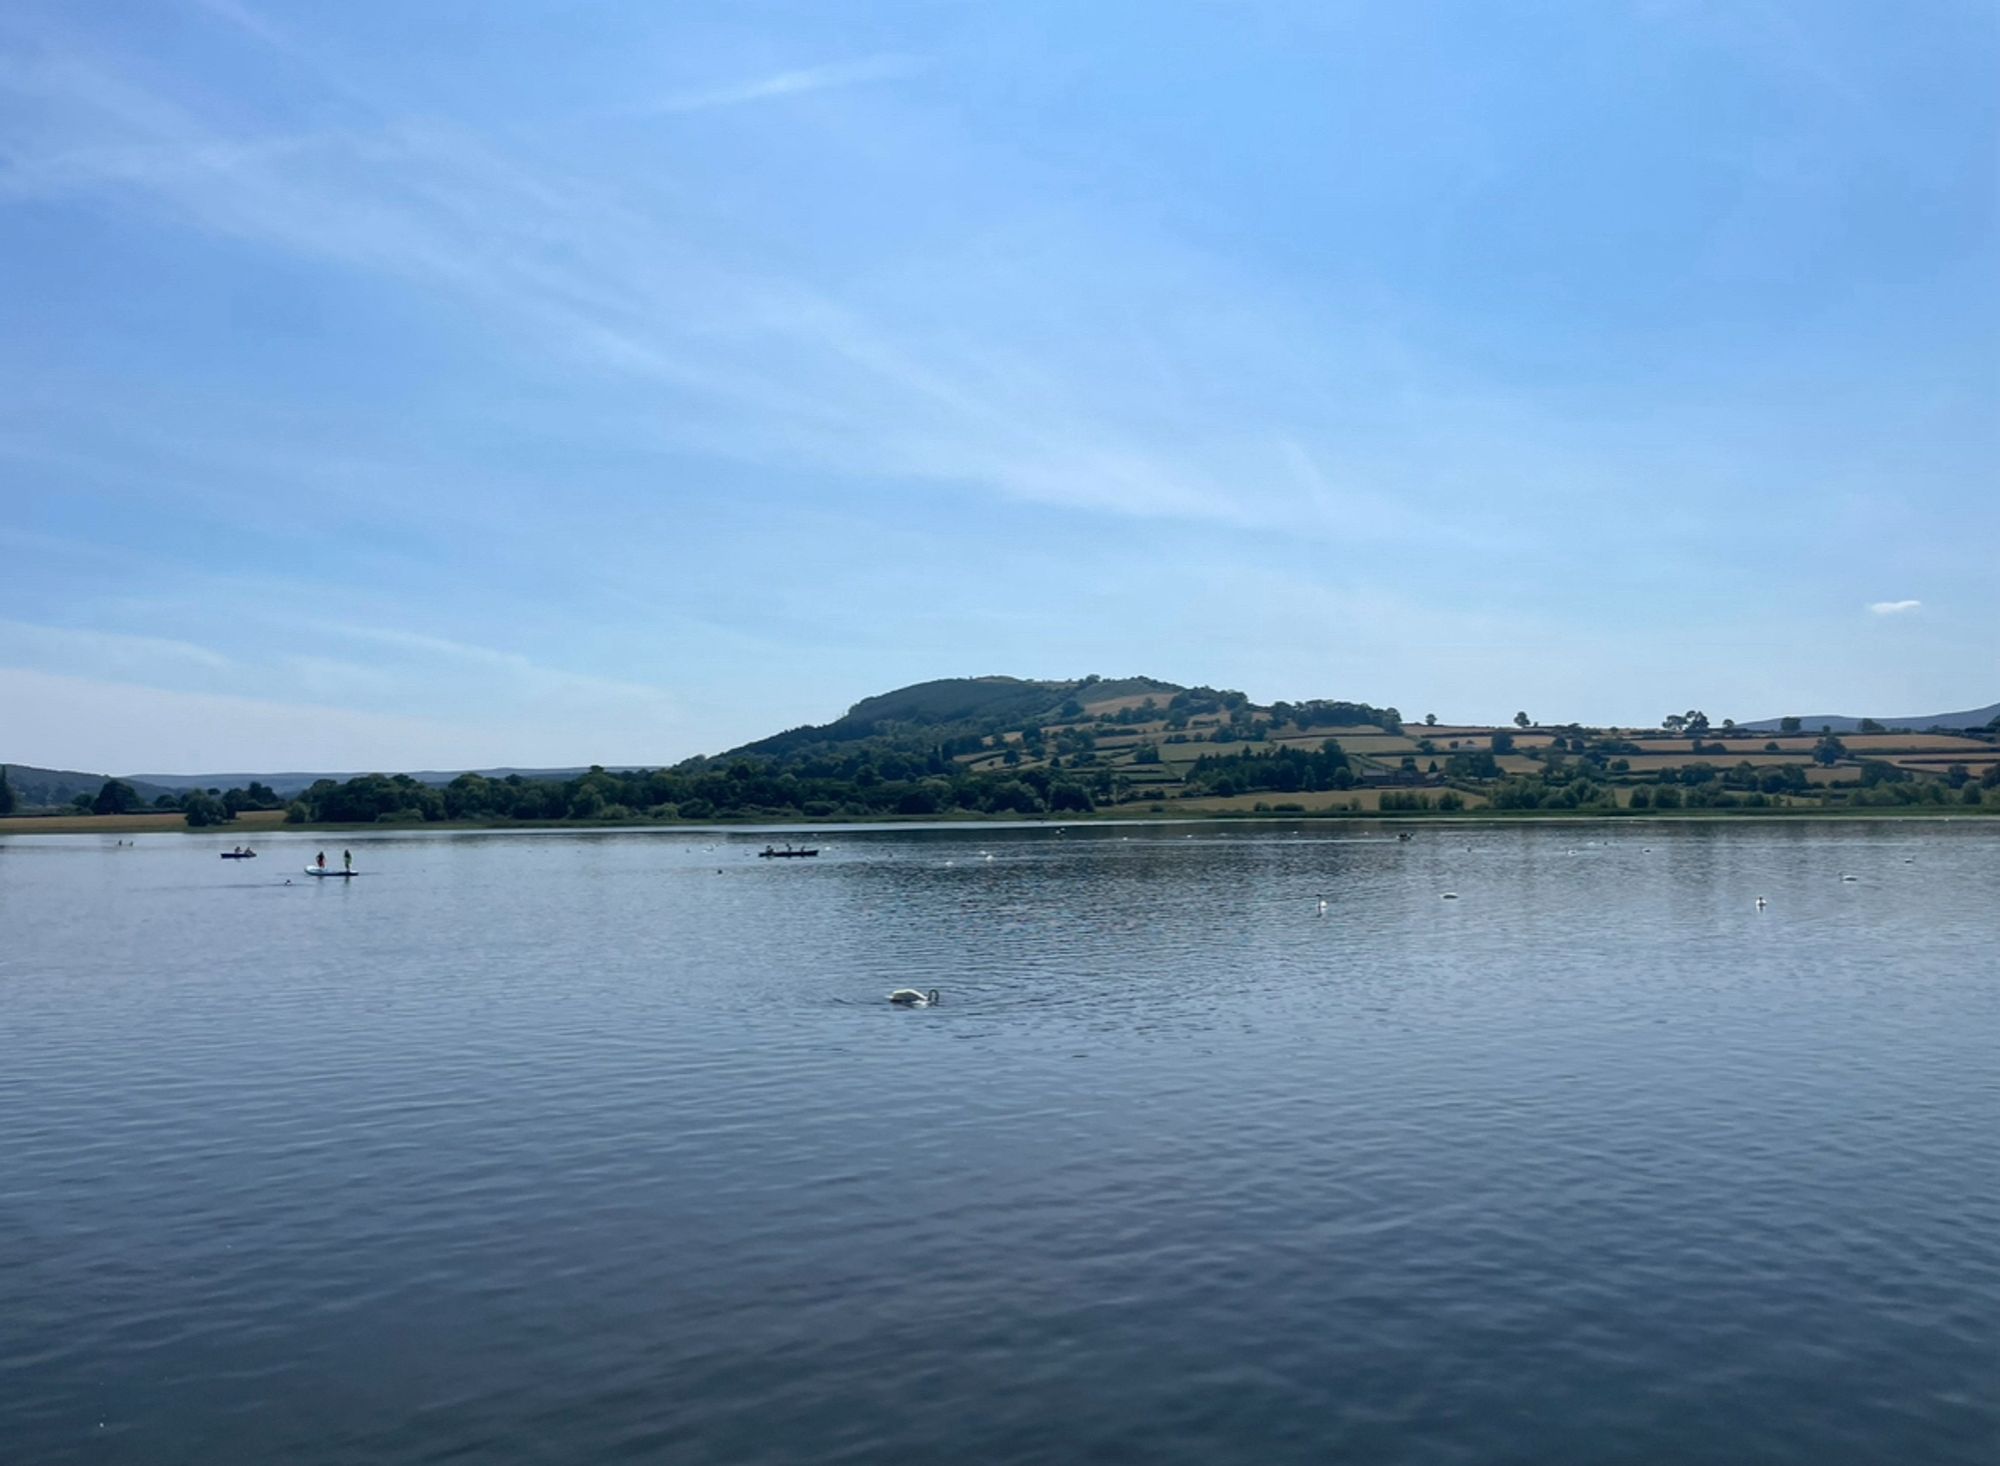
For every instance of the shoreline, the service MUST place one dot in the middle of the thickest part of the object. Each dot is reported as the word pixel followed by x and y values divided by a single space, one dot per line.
pixel 246 829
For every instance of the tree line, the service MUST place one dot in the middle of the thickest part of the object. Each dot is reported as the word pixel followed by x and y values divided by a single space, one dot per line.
pixel 740 789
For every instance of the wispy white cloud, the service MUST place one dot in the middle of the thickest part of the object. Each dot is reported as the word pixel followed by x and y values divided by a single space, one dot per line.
pixel 100 651
pixel 1894 608
pixel 615 282
pixel 795 83
pixel 531 677
pixel 246 19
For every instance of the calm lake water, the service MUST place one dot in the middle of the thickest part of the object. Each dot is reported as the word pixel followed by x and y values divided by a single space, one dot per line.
pixel 606 1146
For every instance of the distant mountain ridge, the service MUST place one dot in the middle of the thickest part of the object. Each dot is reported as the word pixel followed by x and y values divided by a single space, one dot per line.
pixel 292 783
pixel 1843 723
pixel 36 788
pixel 51 788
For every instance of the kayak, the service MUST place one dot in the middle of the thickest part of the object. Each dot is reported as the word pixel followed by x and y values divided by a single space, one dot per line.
pixel 239 855
pixel 313 870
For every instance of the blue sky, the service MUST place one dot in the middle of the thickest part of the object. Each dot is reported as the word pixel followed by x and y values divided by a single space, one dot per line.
pixel 394 385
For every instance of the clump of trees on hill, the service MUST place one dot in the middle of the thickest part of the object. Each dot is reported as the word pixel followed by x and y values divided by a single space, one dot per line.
pixel 1283 770
pixel 219 807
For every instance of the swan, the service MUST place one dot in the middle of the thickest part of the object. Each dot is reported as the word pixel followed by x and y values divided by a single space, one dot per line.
pixel 911 998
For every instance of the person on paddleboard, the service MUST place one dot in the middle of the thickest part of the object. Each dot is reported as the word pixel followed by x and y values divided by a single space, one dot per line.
pixel 347 860
pixel 322 860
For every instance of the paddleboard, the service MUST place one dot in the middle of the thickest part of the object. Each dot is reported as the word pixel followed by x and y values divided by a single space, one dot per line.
pixel 313 870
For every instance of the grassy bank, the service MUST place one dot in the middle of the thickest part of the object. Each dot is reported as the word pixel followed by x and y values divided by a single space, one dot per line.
pixel 149 823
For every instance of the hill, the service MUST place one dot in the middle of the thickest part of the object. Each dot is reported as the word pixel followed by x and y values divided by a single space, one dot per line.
pixel 951 708
pixel 55 788
pixel 1015 746
pixel 1843 723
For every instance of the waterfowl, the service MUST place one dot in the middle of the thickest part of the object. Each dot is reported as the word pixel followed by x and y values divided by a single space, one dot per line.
pixel 911 998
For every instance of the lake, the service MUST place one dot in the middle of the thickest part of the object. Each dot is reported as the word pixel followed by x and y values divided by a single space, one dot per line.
pixel 595 1146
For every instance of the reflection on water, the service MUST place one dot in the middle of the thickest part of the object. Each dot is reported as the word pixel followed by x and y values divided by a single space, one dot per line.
pixel 569 1147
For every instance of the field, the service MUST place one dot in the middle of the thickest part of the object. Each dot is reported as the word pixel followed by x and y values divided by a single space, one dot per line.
pixel 1123 761
pixel 1417 759
pixel 135 824
pixel 1346 801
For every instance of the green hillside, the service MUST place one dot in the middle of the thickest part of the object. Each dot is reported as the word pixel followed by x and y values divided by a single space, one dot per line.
pixel 950 710
pixel 1011 746
pixel 56 788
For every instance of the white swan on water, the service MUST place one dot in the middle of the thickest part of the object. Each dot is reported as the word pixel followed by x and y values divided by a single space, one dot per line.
pixel 911 998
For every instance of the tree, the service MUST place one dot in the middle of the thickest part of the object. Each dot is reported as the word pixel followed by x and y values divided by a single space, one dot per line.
pixel 1479 765
pixel 1520 720
pixel 1430 720
pixel 116 797
pixel 1869 725
pixel 1829 750
pixel 6 792
pixel 1696 722
pixel 201 809
pixel 1070 797
pixel 1673 722
pixel 1789 725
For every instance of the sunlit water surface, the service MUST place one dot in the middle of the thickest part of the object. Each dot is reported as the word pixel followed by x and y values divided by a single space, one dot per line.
pixel 599 1146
